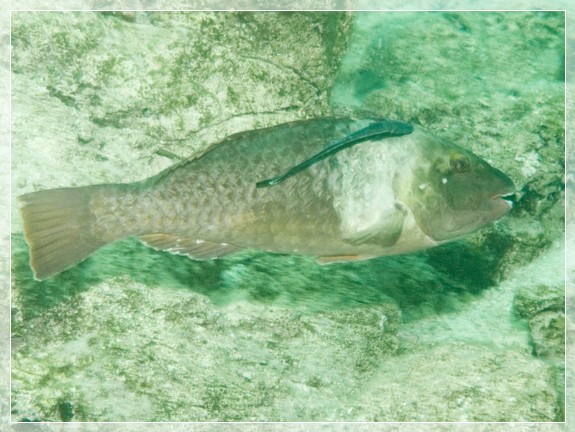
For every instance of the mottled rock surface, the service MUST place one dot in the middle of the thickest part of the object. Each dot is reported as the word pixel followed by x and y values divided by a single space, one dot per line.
pixel 544 309
pixel 144 354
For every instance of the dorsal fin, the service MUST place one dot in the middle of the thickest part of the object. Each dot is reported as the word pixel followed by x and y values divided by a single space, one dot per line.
pixel 377 129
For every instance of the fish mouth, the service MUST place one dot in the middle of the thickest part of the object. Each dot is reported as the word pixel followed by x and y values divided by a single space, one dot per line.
pixel 505 199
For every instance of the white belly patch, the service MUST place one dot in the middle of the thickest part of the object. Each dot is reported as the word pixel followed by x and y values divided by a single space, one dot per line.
pixel 363 183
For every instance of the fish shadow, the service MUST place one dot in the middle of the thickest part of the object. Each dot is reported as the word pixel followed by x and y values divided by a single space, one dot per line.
pixel 436 281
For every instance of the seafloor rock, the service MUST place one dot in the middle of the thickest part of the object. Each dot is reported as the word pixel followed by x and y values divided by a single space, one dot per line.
pixel 159 354
pixel 544 308
pixel 548 334
pixel 532 300
pixel 480 384
pixel 149 339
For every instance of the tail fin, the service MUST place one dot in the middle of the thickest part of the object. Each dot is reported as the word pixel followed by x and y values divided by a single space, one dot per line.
pixel 57 226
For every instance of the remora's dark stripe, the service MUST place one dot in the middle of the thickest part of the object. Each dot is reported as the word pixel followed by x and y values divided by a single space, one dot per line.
pixel 380 129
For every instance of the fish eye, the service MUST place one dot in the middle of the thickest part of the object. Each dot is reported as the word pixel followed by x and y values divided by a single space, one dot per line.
pixel 459 162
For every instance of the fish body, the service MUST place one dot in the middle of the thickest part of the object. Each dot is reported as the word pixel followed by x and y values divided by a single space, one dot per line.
pixel 383 195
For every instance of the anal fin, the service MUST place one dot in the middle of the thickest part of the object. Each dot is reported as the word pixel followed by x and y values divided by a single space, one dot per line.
pixel 341 259
pixel 192 248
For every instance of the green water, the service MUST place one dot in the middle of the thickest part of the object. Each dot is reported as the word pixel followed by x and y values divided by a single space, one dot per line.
pixel 133 334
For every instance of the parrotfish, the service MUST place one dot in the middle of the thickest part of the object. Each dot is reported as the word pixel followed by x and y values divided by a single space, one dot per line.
pixel 340 189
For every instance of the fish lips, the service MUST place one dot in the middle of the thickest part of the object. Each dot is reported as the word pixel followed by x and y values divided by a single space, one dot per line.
pixel 502 203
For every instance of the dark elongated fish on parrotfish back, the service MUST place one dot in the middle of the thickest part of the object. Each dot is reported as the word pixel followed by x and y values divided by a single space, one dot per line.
pixel 341 189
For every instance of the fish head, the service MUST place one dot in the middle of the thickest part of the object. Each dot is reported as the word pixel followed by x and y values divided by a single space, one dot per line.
pixel 456 192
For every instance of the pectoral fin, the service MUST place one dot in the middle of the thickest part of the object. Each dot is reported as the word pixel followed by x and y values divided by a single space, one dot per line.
pixel 385 232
